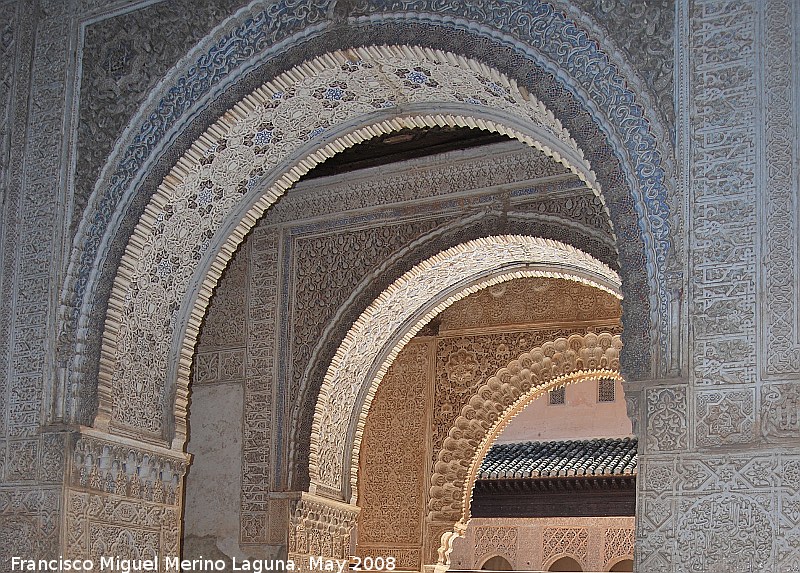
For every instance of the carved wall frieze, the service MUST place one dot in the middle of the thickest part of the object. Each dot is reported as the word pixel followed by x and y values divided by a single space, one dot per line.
pixel 260 410
pixel 321 527
pixel 723 195
pixel 781 183
pixel 108 525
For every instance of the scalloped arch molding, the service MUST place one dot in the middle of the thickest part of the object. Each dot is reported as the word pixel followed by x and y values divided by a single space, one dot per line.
pixel 156 304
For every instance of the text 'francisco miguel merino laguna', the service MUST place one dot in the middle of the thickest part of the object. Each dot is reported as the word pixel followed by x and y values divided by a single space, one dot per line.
pixel 120 565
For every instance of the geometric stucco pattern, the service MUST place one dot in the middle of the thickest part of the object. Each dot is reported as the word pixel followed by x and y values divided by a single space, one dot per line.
pixel 691 505
pixel 534 543
pixel 352 378
pixel 227 163
pixel 124 56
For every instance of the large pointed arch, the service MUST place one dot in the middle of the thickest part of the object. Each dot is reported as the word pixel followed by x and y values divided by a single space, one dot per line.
pixel 598 89
pixel 159 294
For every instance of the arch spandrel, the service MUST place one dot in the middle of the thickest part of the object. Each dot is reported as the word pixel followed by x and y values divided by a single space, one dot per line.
pixel 207 204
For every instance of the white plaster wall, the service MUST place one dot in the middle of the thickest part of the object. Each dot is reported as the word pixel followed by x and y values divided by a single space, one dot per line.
pixel 581 417
pixel 213 481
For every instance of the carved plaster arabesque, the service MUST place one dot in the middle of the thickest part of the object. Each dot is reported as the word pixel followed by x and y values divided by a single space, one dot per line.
pixel 780 122
pixel 32 203
pixel 376 337
pixel 605 102
pixel 212 178
pixel 392 474
pixel 723 194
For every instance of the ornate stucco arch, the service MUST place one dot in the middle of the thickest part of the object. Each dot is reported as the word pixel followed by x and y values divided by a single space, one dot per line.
pixel 577 358
pixel 160 293
pixel 600 98
pixel 397 314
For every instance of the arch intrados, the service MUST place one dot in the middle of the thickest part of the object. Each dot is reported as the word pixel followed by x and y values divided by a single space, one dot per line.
pixel 565 556
pixel 235 227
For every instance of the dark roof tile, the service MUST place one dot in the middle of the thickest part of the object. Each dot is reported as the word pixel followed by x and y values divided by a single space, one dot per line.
pixel 598 457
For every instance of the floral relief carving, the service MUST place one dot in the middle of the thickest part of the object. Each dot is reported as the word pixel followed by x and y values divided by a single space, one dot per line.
pixel 106 525
pixel 392 459
pixel 666 419
pixel 329 268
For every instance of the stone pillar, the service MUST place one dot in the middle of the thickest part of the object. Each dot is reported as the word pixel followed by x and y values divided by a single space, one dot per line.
pixel 319 528
pixel 123 499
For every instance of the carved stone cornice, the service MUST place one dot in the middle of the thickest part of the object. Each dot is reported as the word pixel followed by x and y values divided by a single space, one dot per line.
pixel 110 464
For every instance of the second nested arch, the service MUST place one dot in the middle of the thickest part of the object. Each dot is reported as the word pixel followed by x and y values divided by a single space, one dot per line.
pixel 398 313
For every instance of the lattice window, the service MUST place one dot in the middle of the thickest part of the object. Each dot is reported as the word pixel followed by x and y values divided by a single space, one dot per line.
pixel 558 396
pixel 606 390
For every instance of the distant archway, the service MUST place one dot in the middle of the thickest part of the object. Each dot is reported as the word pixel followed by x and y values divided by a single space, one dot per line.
pixel 565 563
pixel 399 312
pixel 496 563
